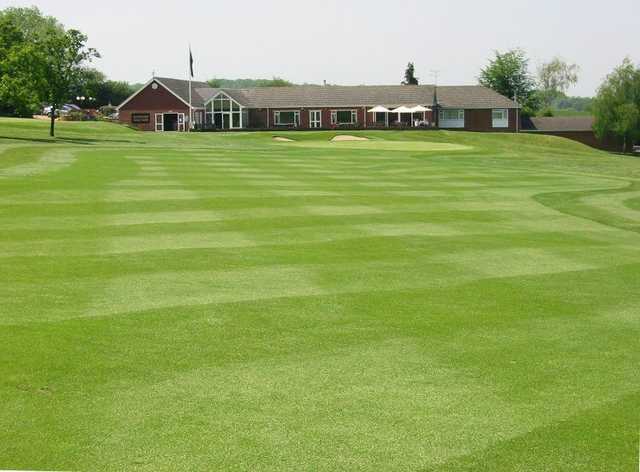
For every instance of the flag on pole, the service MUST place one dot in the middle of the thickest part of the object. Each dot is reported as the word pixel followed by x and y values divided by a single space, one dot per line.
pixel 191 124
pixel 190 62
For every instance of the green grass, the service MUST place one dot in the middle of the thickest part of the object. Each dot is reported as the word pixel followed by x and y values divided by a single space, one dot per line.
pixel 423 301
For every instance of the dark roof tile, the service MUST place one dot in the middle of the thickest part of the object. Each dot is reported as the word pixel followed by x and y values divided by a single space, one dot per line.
pixel 559 123
pixel 309 96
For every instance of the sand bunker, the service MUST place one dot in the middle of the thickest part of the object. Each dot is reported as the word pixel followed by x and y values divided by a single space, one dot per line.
pixel 282 139
pixel 346 137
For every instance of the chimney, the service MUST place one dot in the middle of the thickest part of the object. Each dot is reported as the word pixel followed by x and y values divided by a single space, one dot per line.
pixel 324 82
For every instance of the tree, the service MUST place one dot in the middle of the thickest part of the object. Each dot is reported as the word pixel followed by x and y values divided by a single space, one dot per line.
pixel 409 75
pixel 21 30
pixel 508 74
pixel 31 22
pixel 63 58
pixel 555 78
pixel 617 105
pixel 40 61
pixel 97 91
pixel 248 83
pixel 13 99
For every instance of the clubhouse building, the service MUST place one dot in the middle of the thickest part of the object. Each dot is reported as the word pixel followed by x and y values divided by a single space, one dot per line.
pixel 165 104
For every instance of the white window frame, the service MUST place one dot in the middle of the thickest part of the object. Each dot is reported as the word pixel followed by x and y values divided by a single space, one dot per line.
pixel 313 123
pixel 449 122
pixel 296 118
pixel 354 117
pixel 502 122
pixel 159 124
pixel 181 122
pixel 209 105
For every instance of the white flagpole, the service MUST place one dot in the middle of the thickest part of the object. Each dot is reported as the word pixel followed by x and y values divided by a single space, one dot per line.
pixel 189 74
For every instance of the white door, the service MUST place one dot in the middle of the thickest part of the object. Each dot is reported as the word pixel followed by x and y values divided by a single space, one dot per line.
pixel 159 122
pixel 180 121
pixel 315 119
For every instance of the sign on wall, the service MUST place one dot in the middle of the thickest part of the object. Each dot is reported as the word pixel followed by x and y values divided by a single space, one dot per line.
pixel 140 118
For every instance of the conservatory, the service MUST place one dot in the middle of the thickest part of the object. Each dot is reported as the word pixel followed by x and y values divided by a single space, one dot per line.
pixel 223 112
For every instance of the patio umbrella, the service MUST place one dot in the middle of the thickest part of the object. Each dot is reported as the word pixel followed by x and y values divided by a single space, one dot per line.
pixel 419 109
pixel 379 109
pixel 399 110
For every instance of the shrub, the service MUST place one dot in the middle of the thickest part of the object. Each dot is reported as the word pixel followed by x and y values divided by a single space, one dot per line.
pixel 75 116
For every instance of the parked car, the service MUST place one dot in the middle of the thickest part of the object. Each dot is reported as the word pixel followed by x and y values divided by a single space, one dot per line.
pixel 63 110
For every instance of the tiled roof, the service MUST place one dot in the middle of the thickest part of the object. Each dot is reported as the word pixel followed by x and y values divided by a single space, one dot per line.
pixel 181 88
pixel 309 96
pixel 472 96
pixel 559 123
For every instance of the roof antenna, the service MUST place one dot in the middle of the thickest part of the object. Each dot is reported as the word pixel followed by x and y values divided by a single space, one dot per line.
pixel 153 74
pixel 435 74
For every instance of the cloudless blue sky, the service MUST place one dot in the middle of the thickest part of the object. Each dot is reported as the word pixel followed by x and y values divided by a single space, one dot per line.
pixel 348 41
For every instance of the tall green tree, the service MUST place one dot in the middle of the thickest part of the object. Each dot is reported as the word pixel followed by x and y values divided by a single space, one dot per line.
pixel 21 32
pixel 409 75
pixel 64 59
pixel 508 74
pixel 13 99
pixel 617 105
pixel 40 61
pixel 554 79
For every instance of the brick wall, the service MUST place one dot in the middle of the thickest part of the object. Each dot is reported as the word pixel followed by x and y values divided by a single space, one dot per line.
pixel 151 101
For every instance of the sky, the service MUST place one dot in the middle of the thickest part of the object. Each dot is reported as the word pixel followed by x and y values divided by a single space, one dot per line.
pixel 349 42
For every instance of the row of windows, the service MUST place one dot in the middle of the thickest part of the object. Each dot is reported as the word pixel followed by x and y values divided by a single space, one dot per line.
pixel 227 115
pixel 338 117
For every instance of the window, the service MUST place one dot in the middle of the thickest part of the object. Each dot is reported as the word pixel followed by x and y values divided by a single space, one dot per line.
pixel 381 117
pixel 500 118
pixel 451 118
pixel 344 117
pixel 223 112
pixel 287 118
pixel 140 117
pixel 452 115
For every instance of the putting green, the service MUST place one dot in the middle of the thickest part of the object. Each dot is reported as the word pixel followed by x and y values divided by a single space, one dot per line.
pixel 380 145
pixel 219 301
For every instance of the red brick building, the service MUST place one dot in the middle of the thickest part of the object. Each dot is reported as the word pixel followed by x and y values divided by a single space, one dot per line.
pixel 165 104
